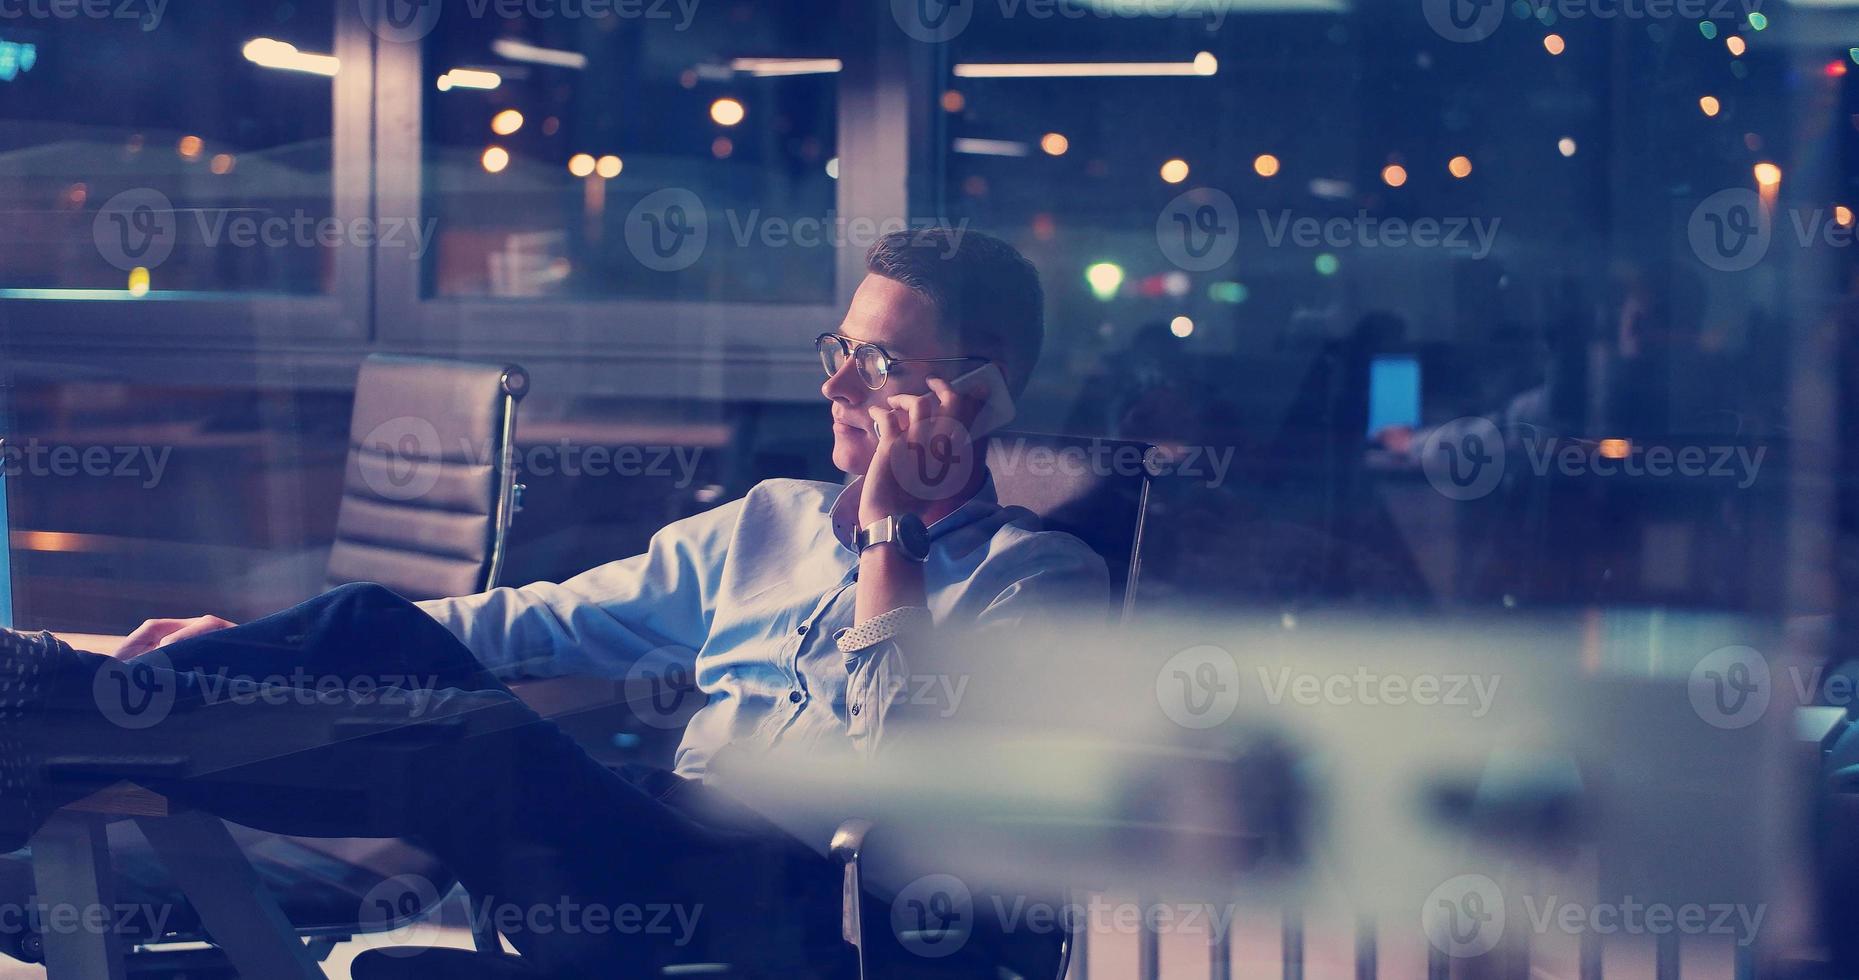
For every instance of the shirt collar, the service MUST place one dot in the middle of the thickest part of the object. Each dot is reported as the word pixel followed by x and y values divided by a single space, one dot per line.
pixel 845 512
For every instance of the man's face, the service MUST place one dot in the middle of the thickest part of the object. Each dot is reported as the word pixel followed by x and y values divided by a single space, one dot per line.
pixel 892 316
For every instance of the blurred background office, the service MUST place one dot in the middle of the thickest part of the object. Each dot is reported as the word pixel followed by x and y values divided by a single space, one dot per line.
pixel 1545 310
pixel 1292 237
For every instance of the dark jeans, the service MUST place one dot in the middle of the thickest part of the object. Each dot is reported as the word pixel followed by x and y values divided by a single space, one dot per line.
pixel 356 715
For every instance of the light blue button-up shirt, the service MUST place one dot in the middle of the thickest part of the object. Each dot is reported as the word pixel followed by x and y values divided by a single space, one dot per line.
pixel 749 598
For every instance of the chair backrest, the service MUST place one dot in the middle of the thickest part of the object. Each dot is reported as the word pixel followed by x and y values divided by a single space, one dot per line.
pixel 1095 489
pixel 430 490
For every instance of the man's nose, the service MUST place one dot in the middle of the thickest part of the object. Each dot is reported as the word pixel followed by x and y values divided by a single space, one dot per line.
pixel 844 385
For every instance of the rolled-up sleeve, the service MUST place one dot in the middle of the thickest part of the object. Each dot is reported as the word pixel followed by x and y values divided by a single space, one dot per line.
pixel 605 619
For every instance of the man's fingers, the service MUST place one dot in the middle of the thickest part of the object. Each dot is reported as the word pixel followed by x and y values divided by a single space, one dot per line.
pixel 146 636
pixel 156 633
pixel 885 420
pixel 195 627
pixel 916 408
pixel 954 403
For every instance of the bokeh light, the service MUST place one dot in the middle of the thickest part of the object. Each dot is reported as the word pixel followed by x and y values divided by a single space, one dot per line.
pixel 1265 165
pixel 495 158
pixel 608 166
pixel 727 112
pixel 581 164
pixel 1459 166
pixel 506 122
pixel 1710 105
pixel 1175 171
pixel 1181 326
pixel 1104 278
pixel 1055 144
pixel 1394 175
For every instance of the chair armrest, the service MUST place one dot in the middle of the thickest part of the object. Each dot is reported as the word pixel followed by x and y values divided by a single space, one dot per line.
pixel 847 846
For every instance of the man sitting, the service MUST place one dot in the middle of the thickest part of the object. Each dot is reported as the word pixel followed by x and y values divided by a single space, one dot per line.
pixel 795 608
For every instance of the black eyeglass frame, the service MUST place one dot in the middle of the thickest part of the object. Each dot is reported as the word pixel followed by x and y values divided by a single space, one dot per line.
pixel 850 349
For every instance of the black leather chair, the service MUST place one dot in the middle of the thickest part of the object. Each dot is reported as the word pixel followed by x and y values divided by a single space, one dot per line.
pixel 431 483
pixel 427 503
pixel 1102 502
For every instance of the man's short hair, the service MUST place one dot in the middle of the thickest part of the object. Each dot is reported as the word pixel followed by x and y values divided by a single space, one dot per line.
pixel 986 294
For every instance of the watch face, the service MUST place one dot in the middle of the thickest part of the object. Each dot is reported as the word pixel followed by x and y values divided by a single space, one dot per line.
pixel 913 537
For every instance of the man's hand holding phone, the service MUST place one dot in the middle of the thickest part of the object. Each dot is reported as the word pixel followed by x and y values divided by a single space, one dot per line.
pixel 930 445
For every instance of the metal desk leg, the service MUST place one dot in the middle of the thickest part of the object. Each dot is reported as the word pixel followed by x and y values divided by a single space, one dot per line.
pixel 243 918
pixel 71 866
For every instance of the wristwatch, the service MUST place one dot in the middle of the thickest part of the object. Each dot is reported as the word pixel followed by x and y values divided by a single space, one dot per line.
pixel 906 531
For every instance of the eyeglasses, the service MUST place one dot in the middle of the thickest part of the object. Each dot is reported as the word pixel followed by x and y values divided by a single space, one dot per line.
pixel 873 363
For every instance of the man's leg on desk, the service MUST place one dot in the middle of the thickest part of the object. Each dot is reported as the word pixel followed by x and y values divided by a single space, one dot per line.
pixel 510 803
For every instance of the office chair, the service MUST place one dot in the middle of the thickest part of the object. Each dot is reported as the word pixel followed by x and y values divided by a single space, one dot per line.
pixel 427 503
pixel 1104 507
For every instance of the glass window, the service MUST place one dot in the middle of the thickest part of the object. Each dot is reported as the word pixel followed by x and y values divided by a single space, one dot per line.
pixel 166 150
pixel 654 151
pixel 1481 313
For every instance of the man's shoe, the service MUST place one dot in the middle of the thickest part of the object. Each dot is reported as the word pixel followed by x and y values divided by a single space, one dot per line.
pixel 29 664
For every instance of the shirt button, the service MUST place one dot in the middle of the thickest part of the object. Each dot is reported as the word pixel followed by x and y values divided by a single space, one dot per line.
pixel 855 709
pixel 802 630
pixel 794 696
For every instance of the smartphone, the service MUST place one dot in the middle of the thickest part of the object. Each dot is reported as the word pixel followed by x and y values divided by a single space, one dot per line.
pixel 988 384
